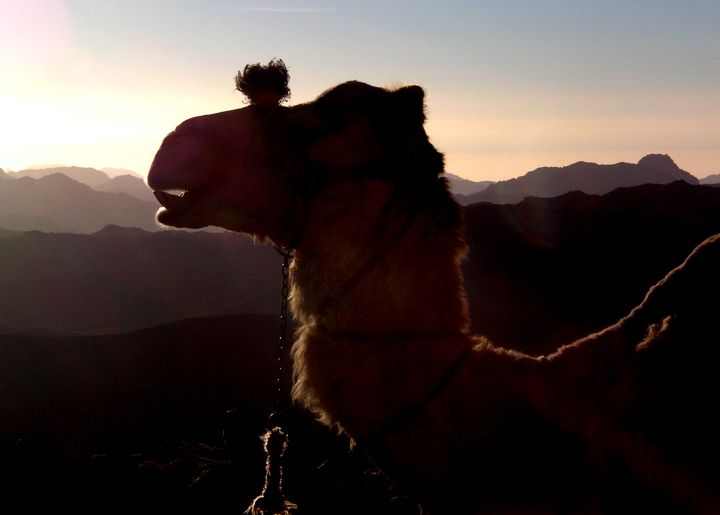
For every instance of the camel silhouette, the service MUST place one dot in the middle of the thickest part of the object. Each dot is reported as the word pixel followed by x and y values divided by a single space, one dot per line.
pixel 620 421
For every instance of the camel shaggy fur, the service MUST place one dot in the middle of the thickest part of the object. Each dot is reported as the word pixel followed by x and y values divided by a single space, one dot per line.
pixel 619 421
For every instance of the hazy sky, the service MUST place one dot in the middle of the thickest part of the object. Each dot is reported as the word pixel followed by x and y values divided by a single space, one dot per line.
pixel 511 85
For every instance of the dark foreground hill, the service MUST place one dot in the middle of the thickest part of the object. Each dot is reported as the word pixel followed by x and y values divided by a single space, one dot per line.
pixel 138 421
pixel 544 272
pixel 123 390
pixel 120 279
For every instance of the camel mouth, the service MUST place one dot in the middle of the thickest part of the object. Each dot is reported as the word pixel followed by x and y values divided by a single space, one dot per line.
pixel 179 208
pixel 176 201
pixel 171 201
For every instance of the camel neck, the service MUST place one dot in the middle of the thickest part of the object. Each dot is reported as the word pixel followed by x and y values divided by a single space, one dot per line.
pixel 374 266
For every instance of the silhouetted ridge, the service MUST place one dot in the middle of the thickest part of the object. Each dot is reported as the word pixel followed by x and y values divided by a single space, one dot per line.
pixel 711 179
pixel 4 233
pixel 85 175
pixel 56 202
pixel 129 184
pixel 120 278
pixel 591 178
pixel 461 187
pixel 660 162
pixel 118 231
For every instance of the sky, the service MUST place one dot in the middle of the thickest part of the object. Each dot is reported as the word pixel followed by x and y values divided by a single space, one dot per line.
pixel 510 85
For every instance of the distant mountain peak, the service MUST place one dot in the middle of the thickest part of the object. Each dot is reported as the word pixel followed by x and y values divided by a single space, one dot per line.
pixel 660 162
pixel 711 179
pixel 462 186
pixel 115 172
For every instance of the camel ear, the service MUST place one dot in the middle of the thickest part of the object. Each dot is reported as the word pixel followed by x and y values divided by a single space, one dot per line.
pixel 411 100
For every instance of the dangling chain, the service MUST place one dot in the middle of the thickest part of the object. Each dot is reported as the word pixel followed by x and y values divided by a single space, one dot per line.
pixel 285 292
pixel 272 500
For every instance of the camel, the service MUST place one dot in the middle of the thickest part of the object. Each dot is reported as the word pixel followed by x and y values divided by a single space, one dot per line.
pixel 619 421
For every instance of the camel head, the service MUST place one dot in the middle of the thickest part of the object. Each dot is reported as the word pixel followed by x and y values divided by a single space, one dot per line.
pixel 255 169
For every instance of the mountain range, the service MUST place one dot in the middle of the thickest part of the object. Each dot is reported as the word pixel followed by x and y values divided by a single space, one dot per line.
pixel 89 176
pixel 109 180
pixel 711 179
pixel 557 250
pixel 78 171
pixel 589 178
pixel 57 203
pixel 91 198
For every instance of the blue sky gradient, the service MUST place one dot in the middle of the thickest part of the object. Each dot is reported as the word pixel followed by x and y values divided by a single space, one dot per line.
pixel 511 85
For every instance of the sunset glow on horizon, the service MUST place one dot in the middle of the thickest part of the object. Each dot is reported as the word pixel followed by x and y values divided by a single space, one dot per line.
pixel 511 86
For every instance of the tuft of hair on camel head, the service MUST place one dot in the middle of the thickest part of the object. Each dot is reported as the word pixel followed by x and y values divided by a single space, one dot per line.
pixel 264 84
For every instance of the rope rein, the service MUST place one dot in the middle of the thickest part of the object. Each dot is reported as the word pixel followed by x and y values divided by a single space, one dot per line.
pixel 272 501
